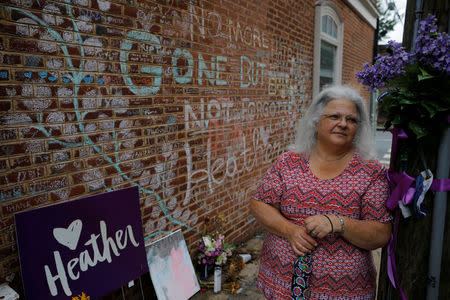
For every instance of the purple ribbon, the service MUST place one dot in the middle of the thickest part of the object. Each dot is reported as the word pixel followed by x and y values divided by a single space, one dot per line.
pixel 440 185
pixel 392 265
pixel 397 133
pixel 403 191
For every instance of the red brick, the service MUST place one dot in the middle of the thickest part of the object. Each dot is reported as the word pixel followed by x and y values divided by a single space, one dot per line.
pixel 146 134
pixel 20 162
pixel 11 59
pixel 24 204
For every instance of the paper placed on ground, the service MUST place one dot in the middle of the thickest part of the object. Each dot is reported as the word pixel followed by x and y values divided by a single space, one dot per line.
pixel 7 292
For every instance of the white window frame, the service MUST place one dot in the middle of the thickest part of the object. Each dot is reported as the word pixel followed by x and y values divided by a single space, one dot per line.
pixel 323 8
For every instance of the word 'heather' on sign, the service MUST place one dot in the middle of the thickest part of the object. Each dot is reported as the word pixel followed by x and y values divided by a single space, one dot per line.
pixel 84 260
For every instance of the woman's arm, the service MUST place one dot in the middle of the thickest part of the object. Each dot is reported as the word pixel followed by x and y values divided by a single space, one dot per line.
pixel 271 218
pixel 364 234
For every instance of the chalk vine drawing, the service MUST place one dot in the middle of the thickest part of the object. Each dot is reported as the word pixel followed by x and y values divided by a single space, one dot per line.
pixel 223 120
pixel 76 76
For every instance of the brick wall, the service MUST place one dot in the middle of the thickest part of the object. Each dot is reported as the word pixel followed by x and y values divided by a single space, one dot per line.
pixel 189 100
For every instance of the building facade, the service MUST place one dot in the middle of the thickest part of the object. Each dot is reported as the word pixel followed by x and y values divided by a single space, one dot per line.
pixel 189 100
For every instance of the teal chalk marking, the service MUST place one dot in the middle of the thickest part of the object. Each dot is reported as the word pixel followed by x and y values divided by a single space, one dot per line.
pixel 186 78
pixel 153 70
pixel 202 68
pixel 245 85
pixel 171 120
pixel 78 76
pixel 219 81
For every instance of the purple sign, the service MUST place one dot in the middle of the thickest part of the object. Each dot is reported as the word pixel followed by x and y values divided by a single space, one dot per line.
pixel 91 245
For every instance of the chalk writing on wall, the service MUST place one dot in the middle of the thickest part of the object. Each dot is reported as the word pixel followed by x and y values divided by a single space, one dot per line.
pixel 96 84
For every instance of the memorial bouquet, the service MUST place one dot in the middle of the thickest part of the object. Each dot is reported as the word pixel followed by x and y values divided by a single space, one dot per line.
pixel 213 250
pixel 416 85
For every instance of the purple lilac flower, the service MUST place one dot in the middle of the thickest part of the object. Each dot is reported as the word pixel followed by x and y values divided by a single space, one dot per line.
pixel 386 67
pixel 432 47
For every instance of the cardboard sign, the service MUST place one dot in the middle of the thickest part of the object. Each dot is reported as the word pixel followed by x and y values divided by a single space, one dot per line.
pixel 89 246
pixel 171 268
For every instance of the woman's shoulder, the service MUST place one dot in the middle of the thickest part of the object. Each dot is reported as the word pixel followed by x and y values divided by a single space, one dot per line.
pixel 291 159
pixel 369 166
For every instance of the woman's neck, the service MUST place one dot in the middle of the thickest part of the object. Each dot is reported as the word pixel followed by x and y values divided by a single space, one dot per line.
pixel 331 154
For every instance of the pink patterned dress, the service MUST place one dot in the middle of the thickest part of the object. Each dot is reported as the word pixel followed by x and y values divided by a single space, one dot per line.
pixel 340 270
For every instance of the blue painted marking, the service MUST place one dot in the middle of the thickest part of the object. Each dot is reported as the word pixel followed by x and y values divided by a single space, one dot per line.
pixel 101 80
pixel 42 74
pixel 3 74
pixel 65 79
pixel 171 120
pixel 88 79
pixel 51 78
pixel 28 74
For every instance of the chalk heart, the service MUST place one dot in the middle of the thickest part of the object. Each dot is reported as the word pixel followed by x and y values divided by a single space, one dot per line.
pixel 88 79
pixel 69 237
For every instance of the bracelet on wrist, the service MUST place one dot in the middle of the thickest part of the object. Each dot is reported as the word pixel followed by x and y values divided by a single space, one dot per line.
pixel 331 223
pixel 341 220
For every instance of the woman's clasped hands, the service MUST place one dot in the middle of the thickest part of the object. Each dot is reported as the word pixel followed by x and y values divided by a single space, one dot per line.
pixel 303 239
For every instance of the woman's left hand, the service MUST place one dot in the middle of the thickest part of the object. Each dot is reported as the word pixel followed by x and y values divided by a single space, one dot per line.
pixel 318 226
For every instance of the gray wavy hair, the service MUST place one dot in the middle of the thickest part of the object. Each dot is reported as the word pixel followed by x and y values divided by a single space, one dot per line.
pixel 305 137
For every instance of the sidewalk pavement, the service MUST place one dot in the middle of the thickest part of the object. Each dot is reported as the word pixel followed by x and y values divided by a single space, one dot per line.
pixel 247 276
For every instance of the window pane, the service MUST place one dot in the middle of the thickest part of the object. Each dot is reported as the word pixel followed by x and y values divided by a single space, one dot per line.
pixel 327 63
pixel 329 24
pixel 324 24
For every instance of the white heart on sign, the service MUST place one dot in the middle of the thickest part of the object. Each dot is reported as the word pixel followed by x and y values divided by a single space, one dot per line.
pixel 69 237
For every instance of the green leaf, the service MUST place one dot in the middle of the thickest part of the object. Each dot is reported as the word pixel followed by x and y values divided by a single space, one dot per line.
pixel 396 120
pixel 429 107
pixel 407 101
pixel 424 75
pixel 418 129
pixel 439 106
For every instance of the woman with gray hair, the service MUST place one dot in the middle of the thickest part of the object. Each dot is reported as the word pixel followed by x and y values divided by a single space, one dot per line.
pixel 323 203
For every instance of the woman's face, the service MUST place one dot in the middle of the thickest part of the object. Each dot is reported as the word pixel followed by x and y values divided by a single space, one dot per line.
pixel 338 124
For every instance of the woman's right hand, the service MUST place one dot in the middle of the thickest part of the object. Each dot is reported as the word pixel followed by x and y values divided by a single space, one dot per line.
pixel 300 240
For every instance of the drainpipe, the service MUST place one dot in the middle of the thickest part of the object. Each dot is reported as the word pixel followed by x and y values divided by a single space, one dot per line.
pixel 418 13
pixel 374 94
pixel 438 222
